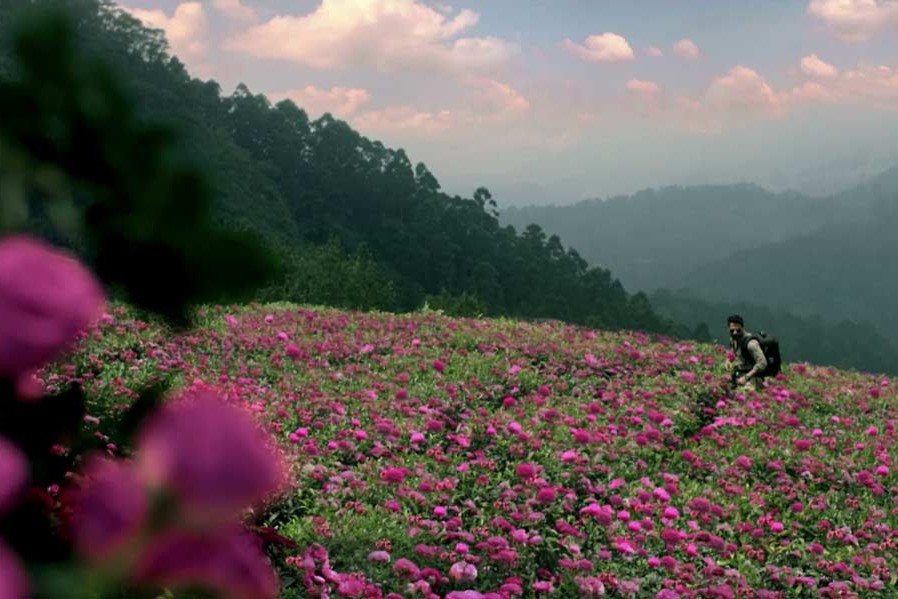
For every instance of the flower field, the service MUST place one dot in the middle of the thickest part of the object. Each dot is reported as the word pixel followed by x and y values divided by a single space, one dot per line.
pixel 460 459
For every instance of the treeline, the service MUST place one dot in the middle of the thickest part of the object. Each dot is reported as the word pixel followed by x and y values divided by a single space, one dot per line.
pixel 354 223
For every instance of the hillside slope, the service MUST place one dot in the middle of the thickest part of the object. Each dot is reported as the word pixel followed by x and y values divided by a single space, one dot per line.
pixel 492 456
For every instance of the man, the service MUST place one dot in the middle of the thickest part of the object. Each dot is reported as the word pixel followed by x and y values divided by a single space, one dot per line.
pixel 750 362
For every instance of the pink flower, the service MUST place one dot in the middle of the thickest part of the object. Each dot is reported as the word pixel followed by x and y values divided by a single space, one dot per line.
pixel 463 571
pixel 109 509
pixel 546 495
pixel 439 365
pixel 379 556
pixel 46 298
pixel 13 474
pixel 543 586
pixel 229 562
pixel 803 444
pixel 210 453
pixel 661 494
pixel 525 471
pixel 464 595
pixel 590 586
pixel 406 569
pixel 671 513
pixel 13 580
pixel 351 587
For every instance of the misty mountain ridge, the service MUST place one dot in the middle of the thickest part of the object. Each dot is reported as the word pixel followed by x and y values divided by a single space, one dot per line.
pixel 654 238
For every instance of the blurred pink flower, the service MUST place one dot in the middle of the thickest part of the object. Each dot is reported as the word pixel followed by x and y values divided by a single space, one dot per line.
pixel 13 580
pixel 211 454
pixel 109 509
pixel 379 556
pixel 13 474
pixel 229 562
pixel 46 298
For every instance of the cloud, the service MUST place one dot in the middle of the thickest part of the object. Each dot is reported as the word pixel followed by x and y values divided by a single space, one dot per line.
pixel 487 103
pixel 855 20
pixel 385 34
pixel 739 96
pixel 607 47
pixel 235 10
pixel 743 92
pixel 687 50
pixel 874 86
pixel 654 52
pixel 643 88
pixel 185 30
pixel 339 101
pixel 814 67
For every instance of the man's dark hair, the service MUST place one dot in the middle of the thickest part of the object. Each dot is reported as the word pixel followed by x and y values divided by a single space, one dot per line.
pixel 735 318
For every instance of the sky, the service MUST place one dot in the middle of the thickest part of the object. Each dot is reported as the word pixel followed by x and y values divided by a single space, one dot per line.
pixel 556 101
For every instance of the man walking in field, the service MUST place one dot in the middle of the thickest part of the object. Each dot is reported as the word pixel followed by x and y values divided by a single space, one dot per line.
pixel 750 362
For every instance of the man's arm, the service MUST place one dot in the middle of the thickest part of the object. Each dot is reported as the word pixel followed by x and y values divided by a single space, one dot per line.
pixel 757 354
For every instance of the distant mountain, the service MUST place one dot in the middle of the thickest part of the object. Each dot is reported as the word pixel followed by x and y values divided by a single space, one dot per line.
pixel 838 272
pixel 655 237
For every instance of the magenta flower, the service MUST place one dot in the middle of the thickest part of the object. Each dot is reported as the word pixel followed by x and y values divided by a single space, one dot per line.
pixel 46 298
pixel 406 568
pixel 525 471
pixel 393 475
pixel 229 562
pixel 464 595
pixel 379 556
pixel 13 474
pixel 211 454
pixel 109 509
pixel 463 571
pixel 803 444
pixel 13 580
pixel 590 586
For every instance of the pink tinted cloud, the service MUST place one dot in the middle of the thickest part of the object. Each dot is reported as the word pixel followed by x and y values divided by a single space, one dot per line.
pixel 740 95
pixel 855 20
pixel 339 101
pixel 186 30
pixel 687 50
pixel 654 52
pixel 813 66
pixel 874 86
pixel 607 47
pixel 384 34
pixel 235 10
pixel 645 88
pixel 487 102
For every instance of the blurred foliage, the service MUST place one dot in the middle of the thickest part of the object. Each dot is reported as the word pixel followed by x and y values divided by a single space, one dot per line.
pixel 82 167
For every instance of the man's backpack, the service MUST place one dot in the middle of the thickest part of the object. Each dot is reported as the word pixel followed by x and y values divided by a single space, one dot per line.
pixel 771 348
